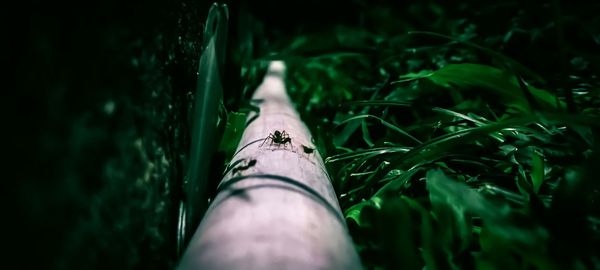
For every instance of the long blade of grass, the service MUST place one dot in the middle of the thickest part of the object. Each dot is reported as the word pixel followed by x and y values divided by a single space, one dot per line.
pixel 397 183
pixel 467 118
pixel 361 153
pixel 348 130
pixel 537 170
pixel 377 103
pixel 458 115
pixel 385 123
pixel 443 144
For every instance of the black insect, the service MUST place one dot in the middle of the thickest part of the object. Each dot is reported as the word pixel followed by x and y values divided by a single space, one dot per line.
pixel 278 138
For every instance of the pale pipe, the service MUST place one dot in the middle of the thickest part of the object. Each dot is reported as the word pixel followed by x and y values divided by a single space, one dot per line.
pixel 276 208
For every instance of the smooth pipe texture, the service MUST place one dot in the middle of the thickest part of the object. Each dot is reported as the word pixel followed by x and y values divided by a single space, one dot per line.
pixel 275 208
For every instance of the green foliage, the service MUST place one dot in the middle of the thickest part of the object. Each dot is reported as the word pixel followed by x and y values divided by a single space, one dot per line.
pixel 500 84
pixel 234 128
pixel 460 154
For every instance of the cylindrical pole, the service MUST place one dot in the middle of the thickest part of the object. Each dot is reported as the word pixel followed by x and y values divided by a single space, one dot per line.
pixel 275 208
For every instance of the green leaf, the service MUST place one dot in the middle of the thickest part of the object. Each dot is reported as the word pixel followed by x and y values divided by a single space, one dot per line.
pixel 455 225
pixel 485 77
pixel 396 232
pixel 520 68
pixel 506 228
pixel 366 135
pixel 523 184
pixel 397 183
pixel 353 213
pixel 342 137
pixel 500 83
pixel 415 76
pixel 537 170
pixel 236 123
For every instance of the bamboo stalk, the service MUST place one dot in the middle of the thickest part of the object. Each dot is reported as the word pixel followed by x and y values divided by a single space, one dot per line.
pixel 275 208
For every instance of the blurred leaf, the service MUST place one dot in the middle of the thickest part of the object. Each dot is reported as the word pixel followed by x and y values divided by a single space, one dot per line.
pixel 505 227
pixel 537 170
pixel 236 123
pixel 454 224
pixel 397 232
pixel 523 184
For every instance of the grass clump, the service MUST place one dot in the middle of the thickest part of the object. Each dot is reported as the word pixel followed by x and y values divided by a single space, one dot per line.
pixel 450 150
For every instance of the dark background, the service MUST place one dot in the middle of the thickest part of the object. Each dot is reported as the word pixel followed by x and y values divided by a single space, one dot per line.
pixel 100 130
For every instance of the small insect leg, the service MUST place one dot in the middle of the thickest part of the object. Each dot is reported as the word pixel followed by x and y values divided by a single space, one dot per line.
pixel 268 137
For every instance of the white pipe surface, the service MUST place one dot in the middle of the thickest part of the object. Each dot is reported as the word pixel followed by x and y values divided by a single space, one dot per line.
pixel 276 208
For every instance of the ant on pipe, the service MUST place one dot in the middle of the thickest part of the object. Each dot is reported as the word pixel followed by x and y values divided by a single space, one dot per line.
pixel 278 138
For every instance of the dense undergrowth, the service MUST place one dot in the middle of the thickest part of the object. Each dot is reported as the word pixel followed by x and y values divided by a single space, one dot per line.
pixel 458 136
